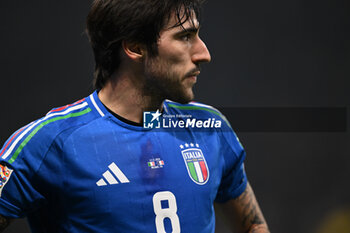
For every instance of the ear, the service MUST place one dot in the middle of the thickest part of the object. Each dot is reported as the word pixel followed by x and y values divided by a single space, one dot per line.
pixel 134 51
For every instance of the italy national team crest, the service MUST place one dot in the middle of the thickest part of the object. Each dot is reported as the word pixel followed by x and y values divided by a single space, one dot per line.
pixel 196 165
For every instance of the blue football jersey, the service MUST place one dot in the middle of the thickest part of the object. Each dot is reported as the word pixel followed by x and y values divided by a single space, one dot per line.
pixel 81 169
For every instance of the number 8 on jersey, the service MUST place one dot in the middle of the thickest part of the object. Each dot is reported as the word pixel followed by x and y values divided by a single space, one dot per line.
pixel 162 213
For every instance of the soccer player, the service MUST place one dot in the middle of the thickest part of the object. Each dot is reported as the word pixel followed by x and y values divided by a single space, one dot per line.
pixel 93 166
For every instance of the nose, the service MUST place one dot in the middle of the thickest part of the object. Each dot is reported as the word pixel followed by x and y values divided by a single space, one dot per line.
pixel 200 52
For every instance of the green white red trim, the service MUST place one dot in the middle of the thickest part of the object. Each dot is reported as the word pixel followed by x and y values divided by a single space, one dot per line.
pixel 51 117
pixel 198 106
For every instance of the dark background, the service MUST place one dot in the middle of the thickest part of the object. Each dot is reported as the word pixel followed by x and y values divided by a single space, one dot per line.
pixel 264 54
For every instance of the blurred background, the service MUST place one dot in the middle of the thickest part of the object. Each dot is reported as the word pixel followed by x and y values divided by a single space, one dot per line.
pixel 265 55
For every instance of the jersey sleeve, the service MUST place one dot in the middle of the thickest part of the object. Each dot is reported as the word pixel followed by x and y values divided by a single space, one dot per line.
pixel 20 158
pixel 234 179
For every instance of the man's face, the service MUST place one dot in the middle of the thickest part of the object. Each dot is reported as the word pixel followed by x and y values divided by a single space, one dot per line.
pixel 172 73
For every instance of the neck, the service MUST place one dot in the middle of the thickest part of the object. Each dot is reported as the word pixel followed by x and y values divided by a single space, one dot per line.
pixel 124 95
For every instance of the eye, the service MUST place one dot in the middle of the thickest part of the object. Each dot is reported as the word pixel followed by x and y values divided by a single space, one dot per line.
pixel 186 37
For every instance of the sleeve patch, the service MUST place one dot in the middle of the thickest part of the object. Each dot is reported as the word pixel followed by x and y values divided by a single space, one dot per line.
pixel 5 174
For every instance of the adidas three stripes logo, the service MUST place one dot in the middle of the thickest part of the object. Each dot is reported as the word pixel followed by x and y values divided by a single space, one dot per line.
pixel 112 176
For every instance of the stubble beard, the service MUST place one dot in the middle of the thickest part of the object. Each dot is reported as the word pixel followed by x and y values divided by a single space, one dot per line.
pixel 161 83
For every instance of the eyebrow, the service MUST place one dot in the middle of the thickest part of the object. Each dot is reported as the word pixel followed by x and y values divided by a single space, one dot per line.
pixel 191 29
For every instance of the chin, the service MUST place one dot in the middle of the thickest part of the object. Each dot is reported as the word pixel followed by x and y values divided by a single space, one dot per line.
pixel 185 98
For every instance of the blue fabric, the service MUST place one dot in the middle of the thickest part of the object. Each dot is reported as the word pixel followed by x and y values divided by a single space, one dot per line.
pixel 55 177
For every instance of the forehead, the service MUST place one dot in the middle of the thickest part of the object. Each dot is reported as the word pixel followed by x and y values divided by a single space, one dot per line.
pixel 181 20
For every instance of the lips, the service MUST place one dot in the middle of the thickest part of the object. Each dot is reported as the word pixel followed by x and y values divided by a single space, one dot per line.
pixel 192 74
pixel 195 73
pixel 191 79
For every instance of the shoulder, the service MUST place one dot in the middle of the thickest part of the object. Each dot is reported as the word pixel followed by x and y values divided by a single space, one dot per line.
pixel 195 110
pixel 203 112
pixel 38 136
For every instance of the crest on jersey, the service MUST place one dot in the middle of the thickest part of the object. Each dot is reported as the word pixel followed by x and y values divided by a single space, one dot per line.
pixel 196 165
pixel 5 174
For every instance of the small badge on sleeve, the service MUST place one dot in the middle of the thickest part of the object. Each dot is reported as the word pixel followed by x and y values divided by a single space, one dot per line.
pixel 5 174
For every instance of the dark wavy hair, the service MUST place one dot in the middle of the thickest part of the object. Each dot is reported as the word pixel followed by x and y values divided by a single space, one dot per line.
pixel 110 22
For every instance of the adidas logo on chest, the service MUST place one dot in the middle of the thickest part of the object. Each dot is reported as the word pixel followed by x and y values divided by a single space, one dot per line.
pixel 112 176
